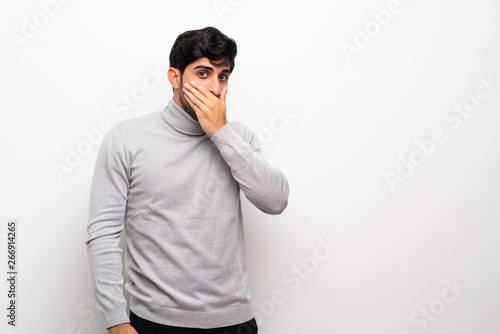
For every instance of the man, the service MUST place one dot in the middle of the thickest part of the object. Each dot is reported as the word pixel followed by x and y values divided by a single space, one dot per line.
pixel 172 179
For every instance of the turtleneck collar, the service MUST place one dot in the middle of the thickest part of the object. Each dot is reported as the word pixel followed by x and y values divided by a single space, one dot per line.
pixel 180 120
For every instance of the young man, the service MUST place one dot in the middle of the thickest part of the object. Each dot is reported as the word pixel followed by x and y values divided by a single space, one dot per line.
pixel 172 179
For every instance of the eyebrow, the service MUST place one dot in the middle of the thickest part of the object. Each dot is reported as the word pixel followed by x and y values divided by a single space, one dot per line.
pixel 208 68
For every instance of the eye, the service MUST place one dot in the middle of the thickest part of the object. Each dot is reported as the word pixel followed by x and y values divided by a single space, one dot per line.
pixel 203 74
pixel 224 77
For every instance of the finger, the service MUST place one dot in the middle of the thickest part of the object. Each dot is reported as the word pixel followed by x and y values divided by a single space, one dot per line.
pixel 193 105
pixel 200 92
pixel 192 99
pixel 223 95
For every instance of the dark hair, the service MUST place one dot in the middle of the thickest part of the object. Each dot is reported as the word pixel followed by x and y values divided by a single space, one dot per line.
pixel 207 42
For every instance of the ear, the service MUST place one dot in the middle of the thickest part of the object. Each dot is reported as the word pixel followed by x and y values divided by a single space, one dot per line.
pixel 174 76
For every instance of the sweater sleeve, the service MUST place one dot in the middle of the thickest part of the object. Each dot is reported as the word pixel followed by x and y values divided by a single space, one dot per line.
pixel 108 200
pixel 264 185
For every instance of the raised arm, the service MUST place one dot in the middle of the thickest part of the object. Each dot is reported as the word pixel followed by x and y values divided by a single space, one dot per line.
pixel 264 185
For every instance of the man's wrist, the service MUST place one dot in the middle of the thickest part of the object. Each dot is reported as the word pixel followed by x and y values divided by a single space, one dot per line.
pixel 217 130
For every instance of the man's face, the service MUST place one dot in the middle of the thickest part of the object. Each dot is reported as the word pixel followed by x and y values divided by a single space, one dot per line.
pixel 204 73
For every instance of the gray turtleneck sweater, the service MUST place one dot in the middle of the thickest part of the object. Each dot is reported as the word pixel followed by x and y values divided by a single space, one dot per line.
pixel 177 193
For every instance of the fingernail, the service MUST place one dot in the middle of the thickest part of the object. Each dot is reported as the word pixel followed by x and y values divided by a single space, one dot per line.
pixel 192 83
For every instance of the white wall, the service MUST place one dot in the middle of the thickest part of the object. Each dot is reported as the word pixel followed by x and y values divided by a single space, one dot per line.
pixel 352 108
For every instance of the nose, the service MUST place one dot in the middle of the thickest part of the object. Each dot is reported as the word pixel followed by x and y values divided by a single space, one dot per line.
pixel 215 86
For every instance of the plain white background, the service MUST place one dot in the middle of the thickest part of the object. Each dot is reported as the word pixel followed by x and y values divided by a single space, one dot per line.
pixel 340 93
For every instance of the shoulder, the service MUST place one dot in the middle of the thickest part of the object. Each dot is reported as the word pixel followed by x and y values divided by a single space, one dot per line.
pixel 137 123
pixel 129 130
